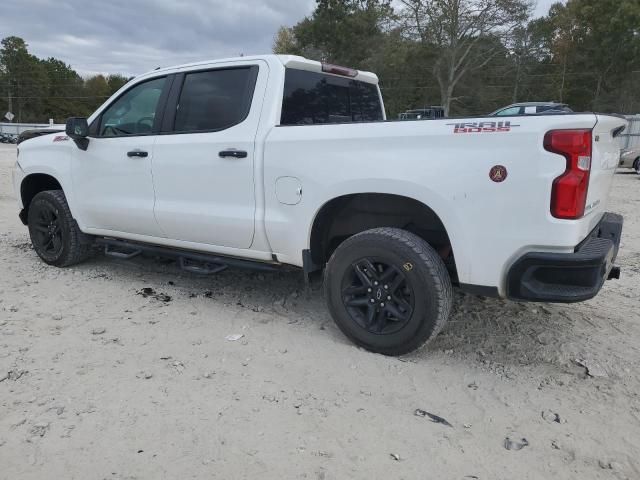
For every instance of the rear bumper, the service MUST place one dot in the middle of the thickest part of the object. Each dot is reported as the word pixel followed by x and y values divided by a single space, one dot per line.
pixel 568 277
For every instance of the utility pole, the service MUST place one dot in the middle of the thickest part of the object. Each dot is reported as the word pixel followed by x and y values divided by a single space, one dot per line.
pixel 10 101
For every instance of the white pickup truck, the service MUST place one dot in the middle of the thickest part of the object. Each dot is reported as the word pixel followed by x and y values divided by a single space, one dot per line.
pixel 271 160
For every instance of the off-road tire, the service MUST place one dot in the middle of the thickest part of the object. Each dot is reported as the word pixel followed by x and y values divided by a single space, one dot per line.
pixel 425 274
pixel 75 246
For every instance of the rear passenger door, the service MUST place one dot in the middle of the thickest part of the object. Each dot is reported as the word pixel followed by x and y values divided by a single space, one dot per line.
pixel 203 163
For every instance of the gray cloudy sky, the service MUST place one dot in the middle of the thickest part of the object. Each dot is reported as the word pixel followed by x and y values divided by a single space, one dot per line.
pixel 134 36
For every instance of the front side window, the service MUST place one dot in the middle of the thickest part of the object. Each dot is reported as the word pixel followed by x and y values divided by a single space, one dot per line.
pixel 316 98
pixel 215 100
pixel 134 112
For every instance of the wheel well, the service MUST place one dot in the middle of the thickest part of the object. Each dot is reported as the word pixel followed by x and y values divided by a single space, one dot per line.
pixel 34 184
pixel 345 216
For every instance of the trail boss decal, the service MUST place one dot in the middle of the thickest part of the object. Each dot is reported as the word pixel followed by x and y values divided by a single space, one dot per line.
pixel 482 127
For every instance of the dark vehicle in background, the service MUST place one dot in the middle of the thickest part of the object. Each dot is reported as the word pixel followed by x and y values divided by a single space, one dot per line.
pixel 36 132
pixel 8 138
pixel 531 108
pixel 426 113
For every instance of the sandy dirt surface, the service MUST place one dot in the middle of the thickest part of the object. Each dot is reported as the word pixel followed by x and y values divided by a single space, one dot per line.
pixel 101 379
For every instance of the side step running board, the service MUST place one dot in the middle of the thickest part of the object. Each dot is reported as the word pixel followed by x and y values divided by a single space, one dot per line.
pixel 109 252
pixel 201 263
pixel 202 268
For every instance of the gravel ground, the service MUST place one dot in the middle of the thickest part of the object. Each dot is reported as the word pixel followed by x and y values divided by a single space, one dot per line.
pixel 102 379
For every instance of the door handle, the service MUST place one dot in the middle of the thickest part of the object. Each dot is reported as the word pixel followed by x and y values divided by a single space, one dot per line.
pixel 137 153
pixel 233 154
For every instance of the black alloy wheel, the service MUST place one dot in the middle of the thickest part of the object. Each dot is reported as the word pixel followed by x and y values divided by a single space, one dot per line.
pixel 377 296
pixel 388 290
pixel 55 234
pixel 46 229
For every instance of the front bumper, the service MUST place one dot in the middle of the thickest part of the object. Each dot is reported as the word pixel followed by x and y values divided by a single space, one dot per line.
pixel 17 175
pixel 568 277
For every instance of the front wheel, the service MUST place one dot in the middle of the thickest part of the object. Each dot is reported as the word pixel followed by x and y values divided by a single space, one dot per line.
pixel 388 290
pixel 636 165
pixel 54 233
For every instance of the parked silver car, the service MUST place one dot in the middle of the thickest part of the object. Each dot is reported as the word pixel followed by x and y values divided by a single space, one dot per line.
pixel 531 108
pixel 630 158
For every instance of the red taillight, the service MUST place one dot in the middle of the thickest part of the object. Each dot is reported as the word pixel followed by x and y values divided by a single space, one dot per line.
pixel 569 192
pixel 338 70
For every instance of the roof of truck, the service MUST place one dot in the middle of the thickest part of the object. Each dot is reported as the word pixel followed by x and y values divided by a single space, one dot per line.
pixel 291 61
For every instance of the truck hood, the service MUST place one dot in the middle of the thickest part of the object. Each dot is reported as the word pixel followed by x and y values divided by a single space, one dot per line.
pixel 49 140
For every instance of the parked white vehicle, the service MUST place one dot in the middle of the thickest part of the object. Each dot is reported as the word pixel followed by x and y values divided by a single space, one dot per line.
pixel 271 160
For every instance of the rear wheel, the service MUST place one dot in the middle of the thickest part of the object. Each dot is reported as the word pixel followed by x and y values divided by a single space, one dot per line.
pixel 388 290
pixel 54 233
pixel 636 165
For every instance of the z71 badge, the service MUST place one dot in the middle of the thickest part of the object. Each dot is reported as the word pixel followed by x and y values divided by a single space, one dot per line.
pixel 482 127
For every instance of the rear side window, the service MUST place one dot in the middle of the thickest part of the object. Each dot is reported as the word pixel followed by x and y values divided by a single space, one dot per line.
pixel 215 100
pixel 315 98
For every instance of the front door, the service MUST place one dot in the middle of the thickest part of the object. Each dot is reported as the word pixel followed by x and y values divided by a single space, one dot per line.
pixel 203 165
pixel 112 178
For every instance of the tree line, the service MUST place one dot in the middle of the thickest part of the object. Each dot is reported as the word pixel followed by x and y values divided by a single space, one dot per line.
pixel 470 56
pixel 35 90
pixel 474 56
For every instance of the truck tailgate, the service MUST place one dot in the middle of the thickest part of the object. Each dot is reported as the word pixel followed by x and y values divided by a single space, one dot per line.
pixel 604 160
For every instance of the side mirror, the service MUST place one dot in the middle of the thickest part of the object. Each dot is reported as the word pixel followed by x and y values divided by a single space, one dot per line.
pixel 77 129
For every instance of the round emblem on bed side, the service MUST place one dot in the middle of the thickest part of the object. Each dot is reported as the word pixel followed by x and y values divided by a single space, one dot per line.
pixel 498 173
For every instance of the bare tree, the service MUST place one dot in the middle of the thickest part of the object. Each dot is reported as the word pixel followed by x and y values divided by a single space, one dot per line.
pixel 526 48
pixel 285 42
pixel 461 31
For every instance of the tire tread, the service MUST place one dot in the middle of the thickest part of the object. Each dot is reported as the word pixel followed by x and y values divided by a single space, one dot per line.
pixel 434 267
pixel 80 244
